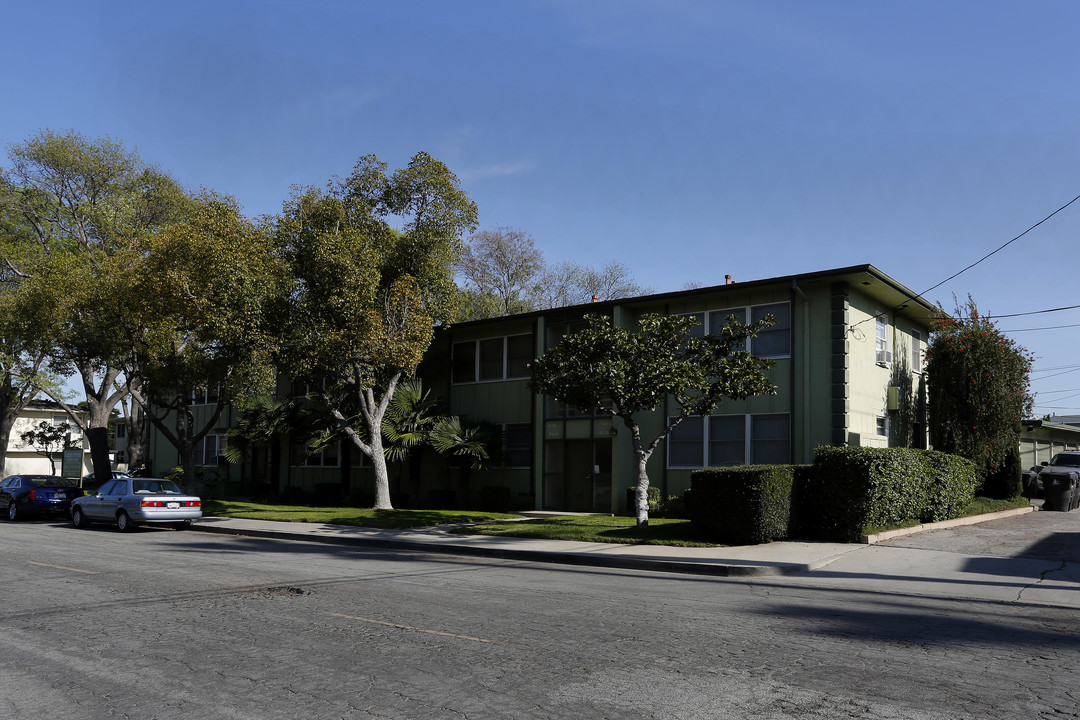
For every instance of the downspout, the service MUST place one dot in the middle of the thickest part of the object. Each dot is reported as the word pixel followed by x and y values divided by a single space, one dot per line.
pixel 536 471
pixel 805 332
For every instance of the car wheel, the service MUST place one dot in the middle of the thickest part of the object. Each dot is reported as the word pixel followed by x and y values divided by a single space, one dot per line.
pixel 78 519
pixel 123 522
pixel 182 525
pixel 13 513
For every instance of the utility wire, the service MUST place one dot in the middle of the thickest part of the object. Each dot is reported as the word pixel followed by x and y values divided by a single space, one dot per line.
pixel 1051 327
pixel 995 252
pixel 984 257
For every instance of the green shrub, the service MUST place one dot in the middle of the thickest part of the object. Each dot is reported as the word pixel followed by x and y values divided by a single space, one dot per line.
pixel 854 488
pixel 742 505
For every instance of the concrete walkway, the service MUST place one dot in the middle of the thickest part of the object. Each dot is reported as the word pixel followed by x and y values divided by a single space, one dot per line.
pixel 777 558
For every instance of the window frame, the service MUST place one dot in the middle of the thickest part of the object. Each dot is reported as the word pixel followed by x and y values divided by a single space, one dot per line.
pixel 509 366
pixel 745 313
pixel 512 450
pixel 748 438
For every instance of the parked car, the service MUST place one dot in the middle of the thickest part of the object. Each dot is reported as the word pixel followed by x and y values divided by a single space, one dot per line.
pixel 27 495
pixel 1060 480
pixel 130 502
pixel 90 481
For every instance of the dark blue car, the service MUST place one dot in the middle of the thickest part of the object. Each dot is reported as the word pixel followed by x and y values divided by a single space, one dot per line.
pixel 27 495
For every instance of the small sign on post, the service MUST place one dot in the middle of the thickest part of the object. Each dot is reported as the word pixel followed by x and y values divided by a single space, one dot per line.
pixel 72 466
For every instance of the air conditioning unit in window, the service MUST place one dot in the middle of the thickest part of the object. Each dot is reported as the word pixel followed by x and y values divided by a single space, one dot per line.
pixel 884 358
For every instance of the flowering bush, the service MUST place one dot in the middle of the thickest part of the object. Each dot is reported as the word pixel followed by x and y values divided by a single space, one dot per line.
pixel 978 385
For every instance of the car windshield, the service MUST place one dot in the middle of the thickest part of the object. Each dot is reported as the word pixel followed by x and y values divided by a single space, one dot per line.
pixel 1070 459
pixel 155 487
pixel 52 481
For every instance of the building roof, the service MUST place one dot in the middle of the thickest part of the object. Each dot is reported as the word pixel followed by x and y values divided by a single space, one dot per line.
pixel 867 278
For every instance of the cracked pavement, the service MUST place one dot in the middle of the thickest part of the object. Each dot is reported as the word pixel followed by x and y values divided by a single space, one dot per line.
pixel 973 622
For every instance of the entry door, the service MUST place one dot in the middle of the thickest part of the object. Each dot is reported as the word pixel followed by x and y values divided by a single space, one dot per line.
pixel 578 477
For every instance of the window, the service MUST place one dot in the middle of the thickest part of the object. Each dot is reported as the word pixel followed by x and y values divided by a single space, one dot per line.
pixel 770 440
pixel 881 341
pixel 501 358
pixel 686 443
pixel 727 440
pixel 121 430
pixel 732 440
pixel 205 396
pixel 916 351
pixel 517 445
pixel 882 425
pixel 305 456
pixel 491 359
pixel 775 340
pixel 208 449
pixel 772 342
pixel 519 353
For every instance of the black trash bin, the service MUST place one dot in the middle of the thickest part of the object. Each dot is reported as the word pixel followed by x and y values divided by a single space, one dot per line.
pixel 1060 491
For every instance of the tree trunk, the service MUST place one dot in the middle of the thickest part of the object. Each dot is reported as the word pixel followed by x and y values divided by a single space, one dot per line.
pixel 641 490
pixel 7 422
pixel 382 478
pixel 138 438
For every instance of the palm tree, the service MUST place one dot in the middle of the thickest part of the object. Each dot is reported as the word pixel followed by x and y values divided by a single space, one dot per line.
pixel 468 443
pixel 407 425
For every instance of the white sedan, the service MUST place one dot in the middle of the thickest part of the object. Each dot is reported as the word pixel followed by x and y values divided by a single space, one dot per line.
pixel 130 502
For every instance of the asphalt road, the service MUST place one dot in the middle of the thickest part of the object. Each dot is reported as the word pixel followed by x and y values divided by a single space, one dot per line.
pixel 165 624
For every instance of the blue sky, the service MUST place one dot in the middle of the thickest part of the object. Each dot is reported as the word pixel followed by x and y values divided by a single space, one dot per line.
pixel 685 139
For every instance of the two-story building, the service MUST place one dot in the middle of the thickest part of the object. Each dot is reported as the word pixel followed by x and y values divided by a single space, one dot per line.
pixel 848 348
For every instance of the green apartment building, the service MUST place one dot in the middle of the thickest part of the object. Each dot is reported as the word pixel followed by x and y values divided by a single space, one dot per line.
pixel 848 345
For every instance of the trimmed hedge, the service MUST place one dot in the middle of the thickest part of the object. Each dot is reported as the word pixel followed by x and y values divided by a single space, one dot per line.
pixel 742 505
pixel 855 488
pixel 846 491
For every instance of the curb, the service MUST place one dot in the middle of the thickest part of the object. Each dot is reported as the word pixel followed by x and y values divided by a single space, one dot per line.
pixel 560 558
pixel 955 522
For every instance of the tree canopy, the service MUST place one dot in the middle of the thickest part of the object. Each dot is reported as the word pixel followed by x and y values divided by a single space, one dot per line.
pixel 505 274
pixel 623 372
pixel 366 294
pixel 978 393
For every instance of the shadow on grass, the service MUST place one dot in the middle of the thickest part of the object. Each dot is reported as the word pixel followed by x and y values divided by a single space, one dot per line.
pixel 357 517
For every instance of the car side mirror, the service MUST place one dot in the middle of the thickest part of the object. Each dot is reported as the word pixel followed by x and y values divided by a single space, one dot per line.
pixel 1045 463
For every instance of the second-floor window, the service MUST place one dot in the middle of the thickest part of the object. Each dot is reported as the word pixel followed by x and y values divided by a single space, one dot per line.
pixel 881 341
pixel 499 358
pixel 772 342
pixel 204 396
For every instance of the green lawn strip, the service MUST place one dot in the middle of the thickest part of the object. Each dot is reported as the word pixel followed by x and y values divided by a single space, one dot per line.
pixel 595 528
pixel 359 517
pixel 978 506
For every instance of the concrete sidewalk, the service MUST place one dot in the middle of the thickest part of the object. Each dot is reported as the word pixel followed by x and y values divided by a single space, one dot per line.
pixel 777 558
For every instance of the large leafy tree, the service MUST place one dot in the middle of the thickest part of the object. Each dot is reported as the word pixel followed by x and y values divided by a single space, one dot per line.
pixel 978 387
pixel 371 259
pixel 625 373
pixel 26 344
pixel 81 200
pixel 202 300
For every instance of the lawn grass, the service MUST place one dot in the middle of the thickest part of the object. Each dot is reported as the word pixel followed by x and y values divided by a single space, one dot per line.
pixel 587 528
pixel 978 506
pixel 595 528
pixel 359 517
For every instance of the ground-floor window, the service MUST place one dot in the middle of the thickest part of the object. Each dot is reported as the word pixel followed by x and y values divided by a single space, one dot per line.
pixel 306 456
pixel 208 449
pixel 517 445
pixel 721 440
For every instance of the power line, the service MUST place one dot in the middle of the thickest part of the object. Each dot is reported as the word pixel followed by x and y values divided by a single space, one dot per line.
pixel 984 257
pixel 996 251
pixel 1050 327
